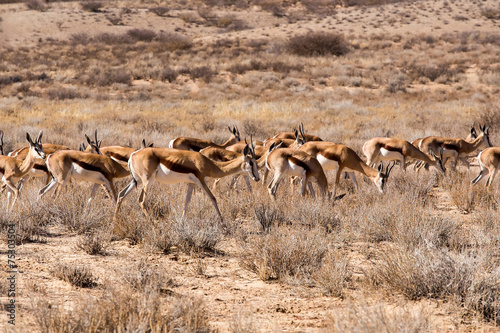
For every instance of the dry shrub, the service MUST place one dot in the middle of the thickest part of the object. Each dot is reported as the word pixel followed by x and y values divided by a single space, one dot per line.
pixel 491 13
pixel 173 42
pixel 92 6
pixel 406 224
pixel 101 78
pixel 205 73
pixel 483 296
pixel 36 5
pixel 93 243
pixel 318 44
pixel 268 215
pixel 73 211
pixel 144 35
pixel 426 272
pixel 197 234
pixel 62 93
pixel 121 311
pixel 142 277
pixel 79 276
pixel 285 253
pixel 160 11
pixel 366 318
pixel 109 38
pixel 29 217
pixel 334 274
pixel 431 71
pixel 489 115
pixel 168 74
pixel 465 196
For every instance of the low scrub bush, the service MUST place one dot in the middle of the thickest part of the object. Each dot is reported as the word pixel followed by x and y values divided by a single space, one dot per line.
pixel 79 276
pixel 334 274
pixel 92 6
pixel 367 318
pixel 285 253
pixel 93 243
pixel 144 35
pixel 122 311
pixel 318 44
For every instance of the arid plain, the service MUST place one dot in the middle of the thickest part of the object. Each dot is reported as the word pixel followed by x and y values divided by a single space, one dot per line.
pixel 421 257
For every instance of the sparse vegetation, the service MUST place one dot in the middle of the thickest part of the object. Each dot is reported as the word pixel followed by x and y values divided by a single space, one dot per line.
pixel 422 256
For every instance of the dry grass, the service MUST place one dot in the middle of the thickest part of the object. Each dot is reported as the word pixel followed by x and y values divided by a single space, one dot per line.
pixel 375 261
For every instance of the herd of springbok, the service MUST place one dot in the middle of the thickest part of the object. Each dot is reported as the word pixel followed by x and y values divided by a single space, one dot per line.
pixel 191 160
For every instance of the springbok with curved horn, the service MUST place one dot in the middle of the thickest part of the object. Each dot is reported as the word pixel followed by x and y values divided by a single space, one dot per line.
pixel 195 144
pixel 292 135
pixel 489 162
pixel 65 165
pixel 224 155
pixel 172 166
pixel 118 153
pixel 455 148
pixel 13 169
pixel 390 149
pixel 419 164
pixel 1 143
pixel 336 156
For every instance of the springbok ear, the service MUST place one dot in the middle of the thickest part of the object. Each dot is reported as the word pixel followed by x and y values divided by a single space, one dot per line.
pixel 380 167
pixel 88 139
pixel 246 150
pixel 143 143
pixel 28 137
pixel 151 145
pixel 296 133
pixel 486 130
pixel 39 139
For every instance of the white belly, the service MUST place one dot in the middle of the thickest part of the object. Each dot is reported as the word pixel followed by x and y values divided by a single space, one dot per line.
pixel 37 173
pixel 81 174
pixel 166 176
pixel 326 163
pixel 294 170
pixel 389 155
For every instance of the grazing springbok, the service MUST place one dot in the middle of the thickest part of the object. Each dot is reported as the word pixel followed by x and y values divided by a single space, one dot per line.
pixel 224 155
pixel 336 156
pixel 13 169
pixel 295 163
pixel 455 148
pixel 418 165
pixel 292 136
pixel 194 144
pixel 389 149
pixel 489 162
pixel 172 166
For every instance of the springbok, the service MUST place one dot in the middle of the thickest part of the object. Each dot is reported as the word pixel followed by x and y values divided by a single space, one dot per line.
pixel 489 162
pixel 13 169
pixel 455 148
pixel 195 144
pixel 336 156
pixel 291 135
pixel 390 149
pixel 65 165
pixel 172 166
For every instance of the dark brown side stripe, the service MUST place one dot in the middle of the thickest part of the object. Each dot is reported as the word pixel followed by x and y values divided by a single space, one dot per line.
pixel 450 146
pixel 298 162
pixel 87 166
pixel 177 167
pixel 42 167
pixel 390 148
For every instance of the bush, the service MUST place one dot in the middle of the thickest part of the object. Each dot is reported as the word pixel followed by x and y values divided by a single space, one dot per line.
pixel 144 35
pixel 92 6
pixel 285 253
pixel 79 276
pixel 318 44
pixel 36 5
pixel 93 243
pixel 160 11
pixel 174 42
